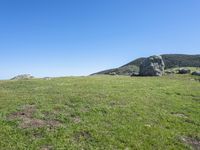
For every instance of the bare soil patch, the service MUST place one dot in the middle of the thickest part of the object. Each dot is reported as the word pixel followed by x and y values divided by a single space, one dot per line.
pixel 26 115
pixel 26 112
pixel 32 123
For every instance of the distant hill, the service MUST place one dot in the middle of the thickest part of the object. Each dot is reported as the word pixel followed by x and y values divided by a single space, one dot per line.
pixel 170 60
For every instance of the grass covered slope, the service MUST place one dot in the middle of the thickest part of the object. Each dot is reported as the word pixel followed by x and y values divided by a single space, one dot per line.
pixel 124 70
pixel 100 112
pixel 170 60
pixel 174 60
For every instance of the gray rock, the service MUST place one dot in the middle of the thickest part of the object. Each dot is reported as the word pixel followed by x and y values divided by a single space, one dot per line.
pixel 135 74
pixel 22 77
pixel 152 66
pixel 197 73
pixel 113 73
pixel 184 71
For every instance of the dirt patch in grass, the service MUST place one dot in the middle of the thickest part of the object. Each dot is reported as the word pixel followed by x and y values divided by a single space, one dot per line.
pixel 26 112
pixel 193 142
pixel 26 115
pixel 82 135
pixel 31 123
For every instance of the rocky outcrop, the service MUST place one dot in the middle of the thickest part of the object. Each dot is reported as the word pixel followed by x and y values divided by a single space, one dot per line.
pixel 22 77
pixel 184 71
pixel 152 66
pixel 196 73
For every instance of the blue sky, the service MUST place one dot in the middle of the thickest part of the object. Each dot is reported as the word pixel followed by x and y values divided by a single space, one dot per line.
pixel 80 37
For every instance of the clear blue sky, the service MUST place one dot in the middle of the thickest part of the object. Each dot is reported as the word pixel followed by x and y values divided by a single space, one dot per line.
pixel 79 37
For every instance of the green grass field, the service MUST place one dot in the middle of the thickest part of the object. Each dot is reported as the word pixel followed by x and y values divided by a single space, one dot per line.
pixel 101 112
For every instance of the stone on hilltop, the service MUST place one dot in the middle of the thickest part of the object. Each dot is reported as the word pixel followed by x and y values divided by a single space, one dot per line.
pixel 197 73
pixel 152 66
pixel 22 77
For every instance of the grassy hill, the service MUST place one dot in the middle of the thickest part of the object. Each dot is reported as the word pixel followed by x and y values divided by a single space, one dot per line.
pixel 170 60
pixel 100 112
pixel 124 70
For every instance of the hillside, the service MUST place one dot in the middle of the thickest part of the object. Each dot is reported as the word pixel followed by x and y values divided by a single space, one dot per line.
pixel 170 60
pixel 100 112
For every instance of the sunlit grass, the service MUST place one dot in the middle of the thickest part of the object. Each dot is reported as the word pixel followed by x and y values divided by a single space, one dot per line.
pixel 102 112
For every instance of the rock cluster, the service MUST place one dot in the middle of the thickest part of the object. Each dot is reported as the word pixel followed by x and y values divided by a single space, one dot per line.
pixel 22 77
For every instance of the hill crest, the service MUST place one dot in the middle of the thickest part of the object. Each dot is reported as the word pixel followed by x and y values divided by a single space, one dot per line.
pixel 170 60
